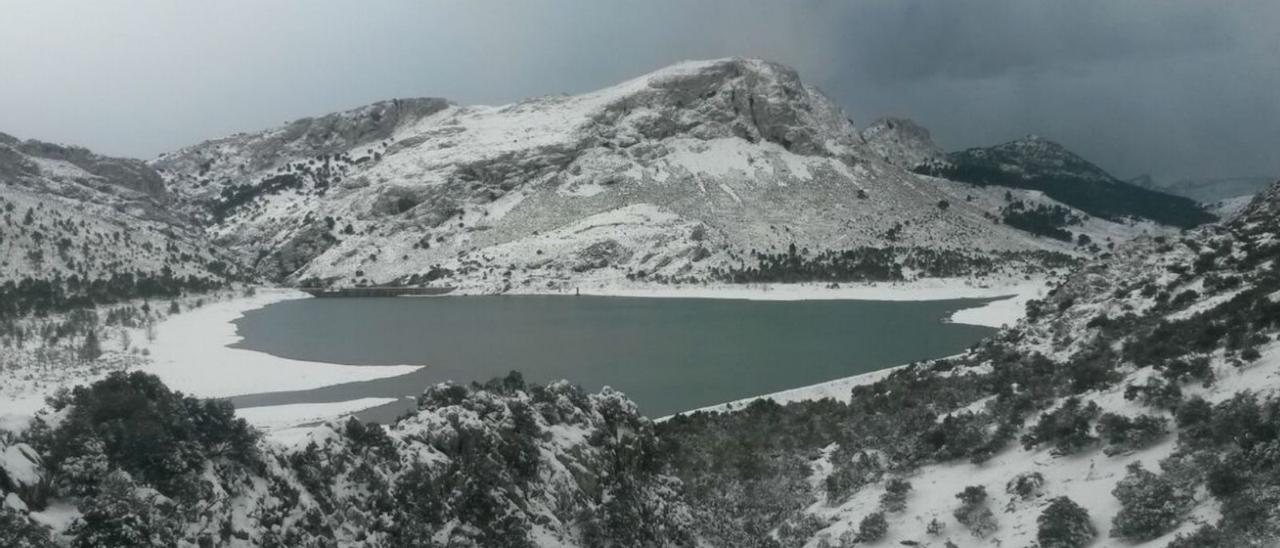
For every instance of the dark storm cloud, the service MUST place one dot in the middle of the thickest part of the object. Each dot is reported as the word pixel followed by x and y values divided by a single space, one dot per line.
pixel 984 39
pixel 1172 88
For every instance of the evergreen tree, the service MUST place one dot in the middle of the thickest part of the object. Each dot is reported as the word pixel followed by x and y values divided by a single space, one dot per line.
pixel 1064 524
pixel 91 349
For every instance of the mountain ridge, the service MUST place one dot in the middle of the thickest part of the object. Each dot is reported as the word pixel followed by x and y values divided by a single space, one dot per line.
pixel 678 174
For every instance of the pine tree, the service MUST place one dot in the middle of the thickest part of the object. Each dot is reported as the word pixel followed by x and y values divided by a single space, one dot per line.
pixel 91 348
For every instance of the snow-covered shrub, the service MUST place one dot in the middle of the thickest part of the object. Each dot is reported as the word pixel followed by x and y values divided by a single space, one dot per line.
pixel 1064 524
pixel 935 527
pixel 18 531
pixel 1026 485
pixel 873 527
pixel 1067 429
pixel 849 473
pixel 1150 505
pixel 894 498
pixel 1207 536
pixel 123 514
pixel 158 436
pixel 794 532
pixel 1155 392
pixel 973 511
pixel 958 435
pixel 1182 370
pixel 1123 434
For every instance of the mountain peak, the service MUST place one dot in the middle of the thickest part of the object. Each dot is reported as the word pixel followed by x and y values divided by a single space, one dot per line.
pixel 1037 155
pixel 752 99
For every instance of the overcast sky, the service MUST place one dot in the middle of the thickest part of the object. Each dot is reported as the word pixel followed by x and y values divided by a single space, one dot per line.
pixel 1173 88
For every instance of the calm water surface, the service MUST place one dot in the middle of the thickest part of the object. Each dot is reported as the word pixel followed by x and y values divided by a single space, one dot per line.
pixel 668 355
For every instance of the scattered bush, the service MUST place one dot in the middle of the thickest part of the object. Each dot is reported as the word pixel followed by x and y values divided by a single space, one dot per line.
pixel 894 498
pixel 973 511
pixel 935 527
pixel 872 528
pixel 1156 393
pixel 1026 485
pixel 1124 434
pixel 1066 428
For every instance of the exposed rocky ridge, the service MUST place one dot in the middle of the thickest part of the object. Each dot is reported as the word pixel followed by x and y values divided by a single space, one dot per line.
pixel 688 169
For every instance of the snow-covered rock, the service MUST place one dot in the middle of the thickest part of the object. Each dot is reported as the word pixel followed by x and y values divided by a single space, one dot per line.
pixel 23 476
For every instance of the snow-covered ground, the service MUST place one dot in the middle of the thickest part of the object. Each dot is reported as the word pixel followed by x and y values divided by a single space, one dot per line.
pixel 927 289
pixel 192 353
pixel 278 417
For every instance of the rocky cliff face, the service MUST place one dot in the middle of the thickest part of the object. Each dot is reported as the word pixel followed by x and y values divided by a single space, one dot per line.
pixel 903 143
pixel 683 172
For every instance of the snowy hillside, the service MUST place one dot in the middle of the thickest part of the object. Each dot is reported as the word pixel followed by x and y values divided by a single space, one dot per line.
pixel 671 176
pixel 1135 405
pixel 68 213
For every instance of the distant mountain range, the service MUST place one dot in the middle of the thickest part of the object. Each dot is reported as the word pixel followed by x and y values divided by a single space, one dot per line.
pixel 729 170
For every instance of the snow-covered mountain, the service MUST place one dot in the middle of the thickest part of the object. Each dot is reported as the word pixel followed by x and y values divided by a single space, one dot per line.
pixel 675 175
pixel 67 212
pixel 1035 163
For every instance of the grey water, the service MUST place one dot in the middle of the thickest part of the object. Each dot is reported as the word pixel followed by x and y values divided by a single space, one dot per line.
pixel 667 354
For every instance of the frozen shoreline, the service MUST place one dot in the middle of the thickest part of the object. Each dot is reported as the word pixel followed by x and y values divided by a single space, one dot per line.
pixel 1007 310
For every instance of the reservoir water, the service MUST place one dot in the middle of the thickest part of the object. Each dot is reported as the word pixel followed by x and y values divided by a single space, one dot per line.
pixel 668 355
